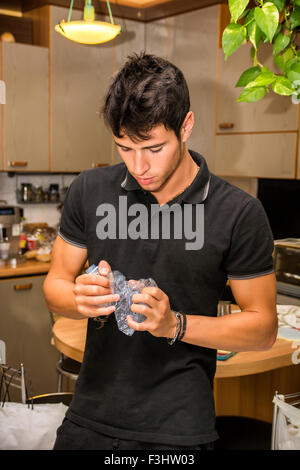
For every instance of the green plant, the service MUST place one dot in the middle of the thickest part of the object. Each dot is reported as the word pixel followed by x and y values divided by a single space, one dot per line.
pixel 273 21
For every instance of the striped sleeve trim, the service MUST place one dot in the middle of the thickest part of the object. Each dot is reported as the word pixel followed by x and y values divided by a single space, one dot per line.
pixel 250 276
pixel 71 242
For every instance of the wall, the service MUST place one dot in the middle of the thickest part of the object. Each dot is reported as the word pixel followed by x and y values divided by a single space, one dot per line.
pixel 191 47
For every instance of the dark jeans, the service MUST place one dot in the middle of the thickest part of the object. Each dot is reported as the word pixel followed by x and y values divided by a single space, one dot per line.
pixel 71 436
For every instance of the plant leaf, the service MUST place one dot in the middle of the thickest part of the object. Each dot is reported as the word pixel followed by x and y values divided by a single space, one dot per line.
pixel 282 60
pixel 233 36
pixel 294 72
pixel 282 86
pixel 295 18
pixel 263 79
pixel 280 43
pixel 248 76
pixel 250 95
pixel 236 8
pixel 280 4
pixel 254 32
pixel 267 18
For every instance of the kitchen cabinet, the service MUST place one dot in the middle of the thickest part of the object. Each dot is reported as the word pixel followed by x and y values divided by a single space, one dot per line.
pixel 190 41
pixel 1 113
pixel 256 155
pixel 298 160
pixel 25 116
pixel 25 326
pixel 79 78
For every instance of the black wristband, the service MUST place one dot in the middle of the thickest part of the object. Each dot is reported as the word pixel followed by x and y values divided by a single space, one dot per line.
pixel 182 333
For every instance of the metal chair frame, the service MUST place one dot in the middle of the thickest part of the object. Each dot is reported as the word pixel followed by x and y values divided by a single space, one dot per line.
pixel 11 377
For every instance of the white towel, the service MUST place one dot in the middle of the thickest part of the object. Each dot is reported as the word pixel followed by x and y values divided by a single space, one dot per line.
pixel 288 315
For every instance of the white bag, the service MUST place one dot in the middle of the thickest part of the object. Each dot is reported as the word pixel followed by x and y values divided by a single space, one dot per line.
pixel 25 428
pixel 287 425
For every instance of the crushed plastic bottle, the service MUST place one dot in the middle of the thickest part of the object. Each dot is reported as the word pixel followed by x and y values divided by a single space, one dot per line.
pixel 125 289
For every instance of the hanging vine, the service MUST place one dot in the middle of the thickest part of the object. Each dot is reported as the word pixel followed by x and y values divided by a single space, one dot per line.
pixel 276 22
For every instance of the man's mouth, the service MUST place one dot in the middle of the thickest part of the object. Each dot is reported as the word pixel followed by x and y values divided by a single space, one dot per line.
pixel 145 180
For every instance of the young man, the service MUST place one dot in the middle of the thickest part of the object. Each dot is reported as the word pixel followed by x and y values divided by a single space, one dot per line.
pixel 140 391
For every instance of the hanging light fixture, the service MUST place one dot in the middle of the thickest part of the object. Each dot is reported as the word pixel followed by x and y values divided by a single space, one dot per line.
pixel 88 31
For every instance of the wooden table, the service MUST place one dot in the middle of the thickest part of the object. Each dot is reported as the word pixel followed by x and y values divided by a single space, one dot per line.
pixel 244 385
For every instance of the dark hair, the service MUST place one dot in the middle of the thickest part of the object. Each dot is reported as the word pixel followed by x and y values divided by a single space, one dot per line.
pixel 147 91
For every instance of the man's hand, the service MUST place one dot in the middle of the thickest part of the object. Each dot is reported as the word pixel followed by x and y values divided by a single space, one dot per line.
pixel 93 291
pixel 160 321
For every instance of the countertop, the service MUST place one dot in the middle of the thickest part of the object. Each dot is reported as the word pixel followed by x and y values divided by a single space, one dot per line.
pixel 27 268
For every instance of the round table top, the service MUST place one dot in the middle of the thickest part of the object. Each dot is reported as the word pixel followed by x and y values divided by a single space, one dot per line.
pixel 69 338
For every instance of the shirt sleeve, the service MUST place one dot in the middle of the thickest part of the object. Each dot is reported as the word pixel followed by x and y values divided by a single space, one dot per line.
pixel 72 224
pixel 252 244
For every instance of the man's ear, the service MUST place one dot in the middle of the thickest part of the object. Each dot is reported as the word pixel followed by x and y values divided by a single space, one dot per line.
pixel 187 126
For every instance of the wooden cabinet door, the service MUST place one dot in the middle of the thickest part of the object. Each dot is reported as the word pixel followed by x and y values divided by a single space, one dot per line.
pixel 256 155
pixel 1 112
pixel 25 326
pixel 80 75
pixel 271 113
pixel 190 41
pixel 26 112
pixel 298 159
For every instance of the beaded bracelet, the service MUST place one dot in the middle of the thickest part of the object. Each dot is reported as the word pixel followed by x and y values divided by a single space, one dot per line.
pixel 178 328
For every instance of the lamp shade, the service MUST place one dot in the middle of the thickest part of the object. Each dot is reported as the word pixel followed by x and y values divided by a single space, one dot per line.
pixel 88 32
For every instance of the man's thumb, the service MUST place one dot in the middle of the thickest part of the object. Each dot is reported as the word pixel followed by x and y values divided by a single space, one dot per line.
pixel 104 267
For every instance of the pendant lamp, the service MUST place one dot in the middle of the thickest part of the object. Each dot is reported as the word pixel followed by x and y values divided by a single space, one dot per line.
pixel 88 31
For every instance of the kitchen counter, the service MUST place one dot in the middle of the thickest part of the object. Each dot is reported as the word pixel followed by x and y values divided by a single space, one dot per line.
pixel 28 268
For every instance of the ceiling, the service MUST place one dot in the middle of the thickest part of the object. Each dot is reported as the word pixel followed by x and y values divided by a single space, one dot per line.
pixel 140 10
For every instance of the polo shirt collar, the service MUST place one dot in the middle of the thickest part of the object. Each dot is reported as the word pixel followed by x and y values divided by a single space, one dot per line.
pixel 195 193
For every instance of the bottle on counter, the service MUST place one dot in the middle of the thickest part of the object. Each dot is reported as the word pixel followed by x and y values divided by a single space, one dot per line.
pixel 22 243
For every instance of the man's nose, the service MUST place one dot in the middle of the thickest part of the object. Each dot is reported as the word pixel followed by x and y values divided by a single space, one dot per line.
pixel 141 164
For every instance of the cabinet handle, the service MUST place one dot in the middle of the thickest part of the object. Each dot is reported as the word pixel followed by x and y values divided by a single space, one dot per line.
pixel 23 286
pixel 17 163
pixel 96 165
pixel 226 125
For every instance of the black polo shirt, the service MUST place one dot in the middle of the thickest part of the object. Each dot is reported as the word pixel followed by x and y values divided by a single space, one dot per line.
pixel 139 387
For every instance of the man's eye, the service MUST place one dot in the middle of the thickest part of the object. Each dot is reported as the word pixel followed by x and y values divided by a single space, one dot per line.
pixel 156 150
pixel 124 149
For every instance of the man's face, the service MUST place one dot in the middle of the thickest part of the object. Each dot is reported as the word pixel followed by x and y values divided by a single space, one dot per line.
pixel 151 162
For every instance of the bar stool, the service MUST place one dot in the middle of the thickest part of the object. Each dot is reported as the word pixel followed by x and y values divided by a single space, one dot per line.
pixel 66 367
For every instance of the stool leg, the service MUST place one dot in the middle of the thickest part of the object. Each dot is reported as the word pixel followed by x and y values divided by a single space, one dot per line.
pixel 59 384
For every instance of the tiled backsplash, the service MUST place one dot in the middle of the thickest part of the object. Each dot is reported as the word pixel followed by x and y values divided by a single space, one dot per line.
pixel 34 212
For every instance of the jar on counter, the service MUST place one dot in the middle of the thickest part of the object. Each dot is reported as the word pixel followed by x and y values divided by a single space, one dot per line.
pixel 54 193
pixel 32 242
pixel 38 194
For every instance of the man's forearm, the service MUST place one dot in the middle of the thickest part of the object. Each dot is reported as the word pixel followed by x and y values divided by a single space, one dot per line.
pixel 60 298
pixel 245 331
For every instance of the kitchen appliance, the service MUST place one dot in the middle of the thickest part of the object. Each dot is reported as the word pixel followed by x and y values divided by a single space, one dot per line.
pixel 287 266
pixel 10 218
